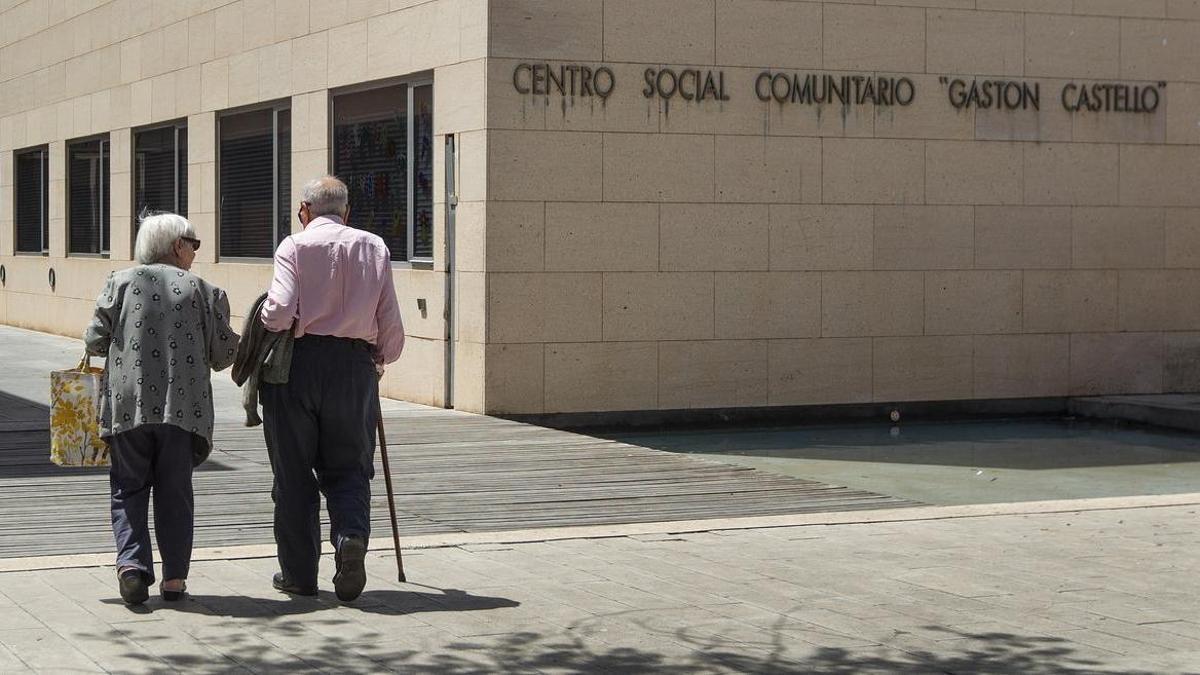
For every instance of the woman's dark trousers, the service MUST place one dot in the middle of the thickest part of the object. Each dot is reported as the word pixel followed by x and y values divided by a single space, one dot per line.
pixel 152 458
pixel 320 430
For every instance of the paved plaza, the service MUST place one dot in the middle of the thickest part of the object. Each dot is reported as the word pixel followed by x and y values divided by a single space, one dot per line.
pixel 783 575
pixel 1094 591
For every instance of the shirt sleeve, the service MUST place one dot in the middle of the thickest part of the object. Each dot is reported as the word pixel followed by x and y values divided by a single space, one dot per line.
pixel 389 326
pixel 98 335
pixel 222 340
pixel 282 304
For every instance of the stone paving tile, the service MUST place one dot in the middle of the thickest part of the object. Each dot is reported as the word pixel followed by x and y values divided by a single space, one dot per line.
pixel 576 597
pixel 988 653
pixel 674 576
pixel 97 593
pixel 9 663
pixel 117 653
pixel 1189 629
pixel 778 599
pixel 863 607
pixel 1182 662
pixel 433 654
pixel 628 595
pixel 44 649
pixel 498 572
pixel 961 581
pixel 1149 635
pixel 1110 642
pixel 175 647
pixel 680 593
pixel 873 659
pixel 642 651
pixel 753 615
pixel 1129 614
pixel 15 618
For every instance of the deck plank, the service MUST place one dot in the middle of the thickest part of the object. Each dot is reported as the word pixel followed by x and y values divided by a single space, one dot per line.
pixel 453 472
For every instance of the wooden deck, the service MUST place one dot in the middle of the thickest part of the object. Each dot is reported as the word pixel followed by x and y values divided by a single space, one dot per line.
pixel 453 472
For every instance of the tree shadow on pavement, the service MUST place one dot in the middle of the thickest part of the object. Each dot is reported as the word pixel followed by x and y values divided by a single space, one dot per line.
pixel 576 649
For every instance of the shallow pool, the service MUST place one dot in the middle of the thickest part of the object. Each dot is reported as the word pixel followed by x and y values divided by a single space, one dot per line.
pixel 960 462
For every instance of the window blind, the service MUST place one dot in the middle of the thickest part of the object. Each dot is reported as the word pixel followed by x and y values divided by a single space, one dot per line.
pixel 31 196
pixel 87 196
pixel 160 171
pixel 370 135
pixel 383 150
pixel 254 182
pixel 422 142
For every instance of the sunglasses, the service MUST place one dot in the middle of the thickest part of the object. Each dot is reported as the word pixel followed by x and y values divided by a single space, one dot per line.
pixel 193 241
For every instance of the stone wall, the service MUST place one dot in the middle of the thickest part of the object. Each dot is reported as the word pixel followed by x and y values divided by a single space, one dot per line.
pixel 72 69
pixel 653 253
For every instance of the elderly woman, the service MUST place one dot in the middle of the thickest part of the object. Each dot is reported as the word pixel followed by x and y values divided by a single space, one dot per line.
pixel 163 330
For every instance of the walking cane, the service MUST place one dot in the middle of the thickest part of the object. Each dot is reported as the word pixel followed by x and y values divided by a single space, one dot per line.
pixel 387 477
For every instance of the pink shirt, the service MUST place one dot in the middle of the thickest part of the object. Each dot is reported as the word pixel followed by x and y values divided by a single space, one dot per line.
pixel 336 280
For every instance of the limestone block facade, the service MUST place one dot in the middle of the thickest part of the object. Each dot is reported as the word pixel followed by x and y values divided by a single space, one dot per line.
pixel 77 69
pixel 681 204
pixel 655 252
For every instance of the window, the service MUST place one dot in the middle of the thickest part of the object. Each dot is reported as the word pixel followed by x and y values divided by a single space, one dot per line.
pixel 255 182
pixel 87 196
pixel 383 150
pixel 160 171
pixel 32 201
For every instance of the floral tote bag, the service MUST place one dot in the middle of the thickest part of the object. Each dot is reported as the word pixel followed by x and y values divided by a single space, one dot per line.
pixel 75 417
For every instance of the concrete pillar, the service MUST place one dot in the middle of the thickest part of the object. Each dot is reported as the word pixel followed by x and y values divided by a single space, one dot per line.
pixel 7 230
pixel 120 172
pixel 202 182
pixel 58 199
pixel 310 143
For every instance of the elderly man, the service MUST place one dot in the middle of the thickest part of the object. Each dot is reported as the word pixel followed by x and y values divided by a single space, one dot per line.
pixel 333 288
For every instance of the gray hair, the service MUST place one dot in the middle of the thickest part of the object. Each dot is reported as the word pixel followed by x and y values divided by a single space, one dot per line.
pixel 157 235
pixel 325 196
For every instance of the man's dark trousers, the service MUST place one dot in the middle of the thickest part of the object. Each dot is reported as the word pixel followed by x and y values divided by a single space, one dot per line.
pixel 320 430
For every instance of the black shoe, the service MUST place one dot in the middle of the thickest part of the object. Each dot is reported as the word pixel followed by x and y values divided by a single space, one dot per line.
pixel 172 596
pixel 133 586
pixel 351 573
pixel 281 583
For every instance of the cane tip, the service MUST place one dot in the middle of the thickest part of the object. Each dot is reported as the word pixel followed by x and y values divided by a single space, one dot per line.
pixel 402 579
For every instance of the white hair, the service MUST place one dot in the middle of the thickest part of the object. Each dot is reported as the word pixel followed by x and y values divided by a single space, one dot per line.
pixel 325 196
pixel 157 235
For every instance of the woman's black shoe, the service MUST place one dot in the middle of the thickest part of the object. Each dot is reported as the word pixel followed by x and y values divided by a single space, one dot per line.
pixel 281 583
pixel 133 586
pixel 172 596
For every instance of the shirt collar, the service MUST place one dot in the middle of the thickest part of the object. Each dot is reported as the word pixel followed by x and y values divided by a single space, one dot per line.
pixel 324 220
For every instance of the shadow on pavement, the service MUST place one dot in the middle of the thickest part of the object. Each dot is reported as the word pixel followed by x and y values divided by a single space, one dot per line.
pixel 385 602
pixel 16 411
pixel 25 443
pixel 577 650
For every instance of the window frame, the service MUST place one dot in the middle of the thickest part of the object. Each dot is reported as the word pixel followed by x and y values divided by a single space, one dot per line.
pixel 44 191
pixel 105 205
pixel 412 81
pixel 275 106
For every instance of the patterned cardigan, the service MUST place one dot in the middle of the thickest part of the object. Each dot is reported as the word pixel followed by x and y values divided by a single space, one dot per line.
pixel 163 330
